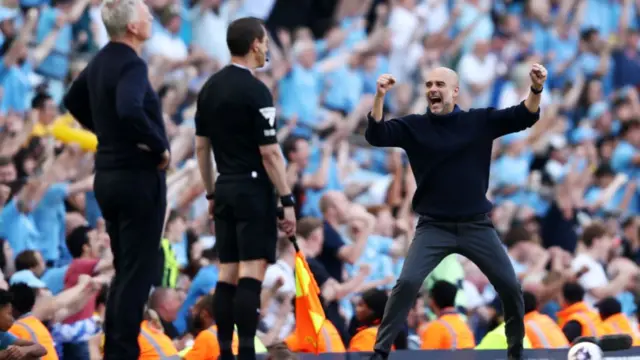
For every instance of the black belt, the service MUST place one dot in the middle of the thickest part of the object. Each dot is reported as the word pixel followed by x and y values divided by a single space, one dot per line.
pixel 462 218
pixel 250 175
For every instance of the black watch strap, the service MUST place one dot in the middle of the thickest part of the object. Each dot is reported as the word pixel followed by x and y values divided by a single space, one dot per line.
pixel 533 90
pixel 211 196
pixel 287 200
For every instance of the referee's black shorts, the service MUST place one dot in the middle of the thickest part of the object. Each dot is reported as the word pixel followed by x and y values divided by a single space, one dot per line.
pixel 245 218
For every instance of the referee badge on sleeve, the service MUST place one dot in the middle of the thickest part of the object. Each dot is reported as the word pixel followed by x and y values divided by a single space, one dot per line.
pixel 269 114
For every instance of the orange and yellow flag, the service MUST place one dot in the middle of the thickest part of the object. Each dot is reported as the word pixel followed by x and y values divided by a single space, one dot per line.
pixel 309 313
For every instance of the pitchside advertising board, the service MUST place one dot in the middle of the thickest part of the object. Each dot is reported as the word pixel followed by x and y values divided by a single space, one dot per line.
pixel 631 354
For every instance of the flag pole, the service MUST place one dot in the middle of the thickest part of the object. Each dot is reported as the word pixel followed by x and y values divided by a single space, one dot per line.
pixel 292 238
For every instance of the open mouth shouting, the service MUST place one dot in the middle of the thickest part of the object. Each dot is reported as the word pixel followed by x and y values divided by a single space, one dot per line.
pixel 435 102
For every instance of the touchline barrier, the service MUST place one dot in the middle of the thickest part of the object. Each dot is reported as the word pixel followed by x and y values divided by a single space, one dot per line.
pixel 631 354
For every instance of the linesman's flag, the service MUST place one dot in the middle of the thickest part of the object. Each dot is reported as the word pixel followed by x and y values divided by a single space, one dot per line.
pixel 309 313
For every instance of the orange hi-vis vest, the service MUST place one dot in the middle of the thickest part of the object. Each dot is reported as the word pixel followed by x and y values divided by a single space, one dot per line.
pixel 449 332
pixel 590 320
pixel 32 329
pixel 365 339
pixel 155 345
pixel 620 324
pixel 329 341
pixel 543 332
pixel 206 346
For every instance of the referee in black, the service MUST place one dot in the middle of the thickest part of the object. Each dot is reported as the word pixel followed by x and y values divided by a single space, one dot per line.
pixel 235 118
pixel 450 154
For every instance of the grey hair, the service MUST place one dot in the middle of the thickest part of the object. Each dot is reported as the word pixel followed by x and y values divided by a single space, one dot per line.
pixel 117 14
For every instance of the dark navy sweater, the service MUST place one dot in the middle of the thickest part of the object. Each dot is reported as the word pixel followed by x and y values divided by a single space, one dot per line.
pixel 450 155
pixel 113 98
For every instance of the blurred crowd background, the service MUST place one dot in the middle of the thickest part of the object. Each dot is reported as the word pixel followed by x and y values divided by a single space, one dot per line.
pixel 576 170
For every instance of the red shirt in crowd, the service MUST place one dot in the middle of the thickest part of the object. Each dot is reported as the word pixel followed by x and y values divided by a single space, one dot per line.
pixel 76 268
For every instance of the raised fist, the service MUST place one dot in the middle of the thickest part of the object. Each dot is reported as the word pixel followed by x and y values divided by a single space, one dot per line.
pixel 538 76
pixel 384 84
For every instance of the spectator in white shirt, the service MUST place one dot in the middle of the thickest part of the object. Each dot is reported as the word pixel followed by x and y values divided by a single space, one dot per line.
pixel 595 252
pixel 278 285
pixel 209 25
pixel 478 70
pixel 166 42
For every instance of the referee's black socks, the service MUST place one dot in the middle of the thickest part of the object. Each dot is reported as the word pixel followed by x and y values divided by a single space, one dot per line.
pixel 223 312
pixel 247 315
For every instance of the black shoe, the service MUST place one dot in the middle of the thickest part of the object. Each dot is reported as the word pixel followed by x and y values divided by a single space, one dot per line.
pixel 515 354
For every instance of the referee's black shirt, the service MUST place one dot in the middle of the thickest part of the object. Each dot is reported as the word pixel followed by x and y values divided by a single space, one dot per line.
pixel 235 111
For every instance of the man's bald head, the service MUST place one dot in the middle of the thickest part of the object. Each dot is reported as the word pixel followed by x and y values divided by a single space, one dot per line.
pixel 334 203
pixel 445 73
pixel 442 90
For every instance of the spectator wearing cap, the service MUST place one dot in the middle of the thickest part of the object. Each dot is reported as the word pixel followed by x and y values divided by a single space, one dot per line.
pixel 611 313
pixel 577 318
pixel 450 331
pixel 541 330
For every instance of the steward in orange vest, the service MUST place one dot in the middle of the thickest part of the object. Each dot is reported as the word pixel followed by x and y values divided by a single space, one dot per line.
pixel 611 313
pixel 577 318
pixel 450 331
pixel 154 344
pixel 27 326
pixel 369 311
pixel 541 330
pixel 206 346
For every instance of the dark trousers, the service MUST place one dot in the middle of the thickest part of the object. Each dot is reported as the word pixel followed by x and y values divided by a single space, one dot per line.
pixel 477 240
pixel 75 351
pixel 133 204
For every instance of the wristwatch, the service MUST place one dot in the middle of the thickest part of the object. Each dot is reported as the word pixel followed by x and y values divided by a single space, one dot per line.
pixel 287 200
pixel 533 90
pixel 211 196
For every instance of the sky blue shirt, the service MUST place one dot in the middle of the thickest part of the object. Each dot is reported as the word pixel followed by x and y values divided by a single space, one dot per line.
pixel 92 210
pixel 54 278
pixel 49 217
pixel 17 88
pixel 18 228
pixel 300 94
pixel 205 281
pixel 345 86
pixel 311 206
pixel 6 339
pixel 56 64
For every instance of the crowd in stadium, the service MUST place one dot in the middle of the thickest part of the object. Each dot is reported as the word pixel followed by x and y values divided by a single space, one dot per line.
pixel 565 191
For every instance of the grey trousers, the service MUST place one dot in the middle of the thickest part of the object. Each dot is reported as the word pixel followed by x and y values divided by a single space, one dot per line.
pixel 478 241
